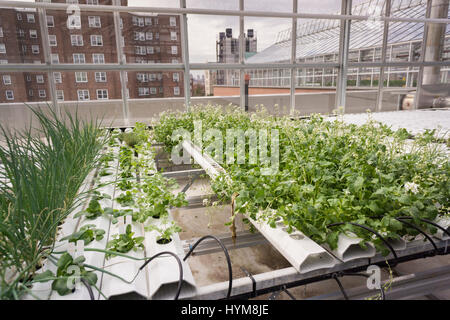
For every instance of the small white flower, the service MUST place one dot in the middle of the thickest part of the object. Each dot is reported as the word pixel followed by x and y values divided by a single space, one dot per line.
pixel 411 186
pixel 205 202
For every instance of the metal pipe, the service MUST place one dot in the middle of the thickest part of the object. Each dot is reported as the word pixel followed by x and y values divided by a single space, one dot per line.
pixel 241 56
pixel 250 13
pixel 185 54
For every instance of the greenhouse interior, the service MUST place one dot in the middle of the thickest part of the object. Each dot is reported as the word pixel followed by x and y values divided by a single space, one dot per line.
pixel 305 157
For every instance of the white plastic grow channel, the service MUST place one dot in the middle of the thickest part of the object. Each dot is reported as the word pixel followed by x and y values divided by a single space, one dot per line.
pixel 303 253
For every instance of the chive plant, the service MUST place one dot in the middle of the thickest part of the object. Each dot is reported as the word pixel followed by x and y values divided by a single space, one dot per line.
pixel 42 170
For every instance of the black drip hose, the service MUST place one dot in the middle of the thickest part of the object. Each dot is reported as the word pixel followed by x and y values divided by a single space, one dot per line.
pixel 225 251
pixel 370 230
pixel 180 267
pixel 335 277
pixel 88 287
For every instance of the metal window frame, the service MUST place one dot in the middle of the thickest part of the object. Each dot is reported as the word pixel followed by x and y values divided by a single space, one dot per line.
pixel 345 17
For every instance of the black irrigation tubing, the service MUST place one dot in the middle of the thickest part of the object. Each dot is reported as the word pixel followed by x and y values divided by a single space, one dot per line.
pixel 230 270
pixel 180 267
pixel 436 250
pixel 341 287
pixel 434 224
pixel 88 287
pixel 370 230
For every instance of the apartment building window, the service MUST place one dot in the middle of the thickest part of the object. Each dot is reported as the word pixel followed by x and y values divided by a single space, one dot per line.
pixel 157 35
pixel 6 79
pixel 30 18
pixel 96 40
pixel 9 95
pixel 144 91
pixel 42 94
pixel 98 58
pixel 139 36
pixel 174 60
pixel 150 50
pixel 138 21
pixel 173 36
pixel 57 77
pixel 94 22
pixel 33 34
pixel 92 2
pixel 54 58
pixel 79 58
pixel 81 77
pixel 152 77
pixel 141 50
pixel 30 92
pixel 50 21
pixel 176 91
pixel 40 78
pixel 52 40
pixel 3 61
pixel 35 49
pixel 176 77
pixel 158 49
pixel 74 22
pixel 161 90
pixel 2 48
pixel 21 33
pixel 148 21
pixel 149 35
pixel 83 95
pixel 122 41
pixel 19 17
pixel 100 77
pixel 159 76
pixel 173 21
pixel 102 94
pixel 76 40
pixel 174 50
pixel 60 95
pixel 153 90
pixel 142 77
pixel 28 78
pixel 1 32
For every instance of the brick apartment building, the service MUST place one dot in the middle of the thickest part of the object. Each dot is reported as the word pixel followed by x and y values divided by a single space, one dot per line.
pixel 146 38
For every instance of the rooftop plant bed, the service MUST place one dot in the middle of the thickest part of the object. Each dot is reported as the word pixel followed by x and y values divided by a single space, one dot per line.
pixel 329 172
pixel 47 204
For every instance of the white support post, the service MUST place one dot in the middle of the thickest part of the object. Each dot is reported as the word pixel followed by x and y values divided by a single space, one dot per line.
pixel 47 57
pixel 185 53
pixel 121 61
pixel 387 13
pixel 241 57
pixel 344 43
pixel 422 57
pixel 293 55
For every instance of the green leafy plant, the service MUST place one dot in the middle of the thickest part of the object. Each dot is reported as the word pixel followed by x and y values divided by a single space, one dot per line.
pixel 68 274
pixel 43 169
pixel 125 242
pixel 87 233
pixel 125 199
pixel 94 209
pixel 329 171
pixel 165 231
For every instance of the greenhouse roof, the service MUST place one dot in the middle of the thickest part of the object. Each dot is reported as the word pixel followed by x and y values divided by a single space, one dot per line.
pixel 322 37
